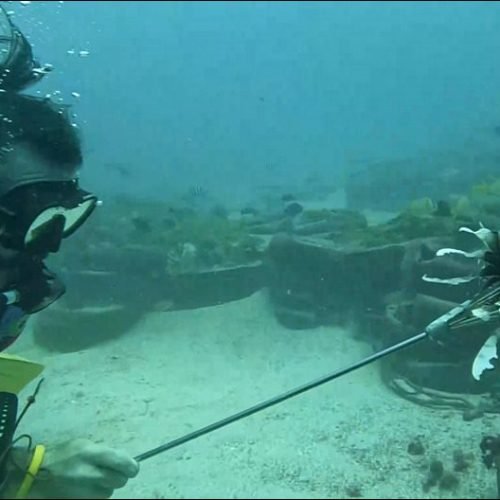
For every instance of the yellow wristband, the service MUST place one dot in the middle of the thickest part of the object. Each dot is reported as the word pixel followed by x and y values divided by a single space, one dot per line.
pixel 36 463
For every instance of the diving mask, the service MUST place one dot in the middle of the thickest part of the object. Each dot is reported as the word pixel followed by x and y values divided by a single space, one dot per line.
pixel 36 217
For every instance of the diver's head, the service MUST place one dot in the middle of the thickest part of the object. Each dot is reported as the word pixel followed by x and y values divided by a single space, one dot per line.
pixel 40 156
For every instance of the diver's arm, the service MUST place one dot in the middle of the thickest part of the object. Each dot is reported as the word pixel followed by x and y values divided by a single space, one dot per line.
pixel 73 469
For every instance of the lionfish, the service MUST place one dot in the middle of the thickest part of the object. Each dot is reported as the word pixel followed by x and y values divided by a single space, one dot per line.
pixel 485 305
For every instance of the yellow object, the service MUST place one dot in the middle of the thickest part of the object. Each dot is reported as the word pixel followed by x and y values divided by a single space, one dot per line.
pixel 462 207
pixel 421 207
pixel 16 373
pixel 36 463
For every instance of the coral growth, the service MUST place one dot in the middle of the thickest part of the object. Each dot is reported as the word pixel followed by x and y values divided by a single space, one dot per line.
pixel 205 242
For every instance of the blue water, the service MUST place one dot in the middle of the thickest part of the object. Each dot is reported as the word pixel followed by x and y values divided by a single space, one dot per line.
pixel 230 96
pixel 190 93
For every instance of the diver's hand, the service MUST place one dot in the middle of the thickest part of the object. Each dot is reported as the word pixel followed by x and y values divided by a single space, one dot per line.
pixel 82 469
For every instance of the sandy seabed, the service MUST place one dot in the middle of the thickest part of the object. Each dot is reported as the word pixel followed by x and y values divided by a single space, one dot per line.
pixel 177 371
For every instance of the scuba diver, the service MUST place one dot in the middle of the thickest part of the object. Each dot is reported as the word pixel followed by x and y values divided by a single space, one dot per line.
pixel 41 203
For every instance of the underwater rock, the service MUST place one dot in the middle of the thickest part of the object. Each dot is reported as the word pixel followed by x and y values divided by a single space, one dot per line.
pixel 462 461
pixel 271 228
pixel 338 221
pixel 293 209
pixel 443 209
pixel 336 280
pixel 416 447
pixel 217 286
pixel 436 469
pixel 312 222
pixel 64 329
pixel 313 228
pixel 294 308
pixel 113 276
pixel 296 319
pixel 448 481
pixel 471 414
pixel 434 475
pixel 426 308
pixel 353 491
